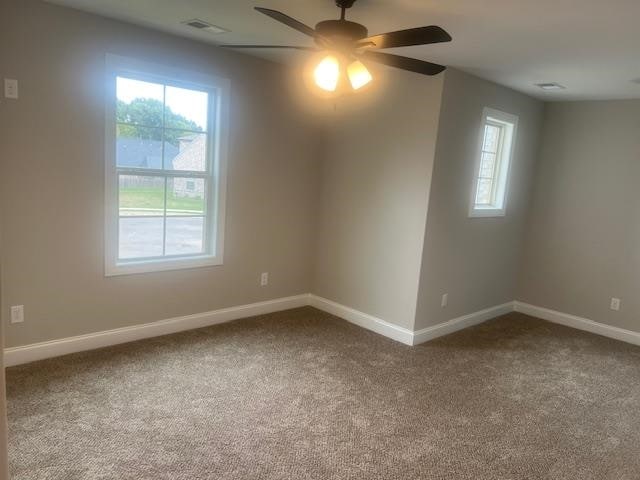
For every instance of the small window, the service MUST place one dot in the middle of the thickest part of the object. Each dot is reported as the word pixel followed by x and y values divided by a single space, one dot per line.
pixel 492 172
pixel 164 168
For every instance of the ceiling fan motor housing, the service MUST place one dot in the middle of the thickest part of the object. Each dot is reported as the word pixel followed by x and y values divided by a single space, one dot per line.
pixel 345 3
pixel 341 29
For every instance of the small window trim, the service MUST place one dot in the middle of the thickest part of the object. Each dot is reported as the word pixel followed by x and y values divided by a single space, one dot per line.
pixel 118 65
pixel 490 115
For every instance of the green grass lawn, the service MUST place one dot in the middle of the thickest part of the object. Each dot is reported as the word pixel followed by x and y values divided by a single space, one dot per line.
pixel 151 200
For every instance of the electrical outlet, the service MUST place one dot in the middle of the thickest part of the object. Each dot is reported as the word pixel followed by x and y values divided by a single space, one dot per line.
pixel 264 279
pixel 17 314
pixel 10 88
pixel 615 304
pixel 445 300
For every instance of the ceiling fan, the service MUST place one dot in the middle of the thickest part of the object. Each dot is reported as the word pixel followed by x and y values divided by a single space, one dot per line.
pixel 348 42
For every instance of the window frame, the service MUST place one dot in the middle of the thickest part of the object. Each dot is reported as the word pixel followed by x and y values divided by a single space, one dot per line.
pixel 504 159
pixel 217 140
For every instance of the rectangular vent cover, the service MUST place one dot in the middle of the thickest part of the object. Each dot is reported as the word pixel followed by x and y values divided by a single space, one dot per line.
pixel 205 26
pixel 550 86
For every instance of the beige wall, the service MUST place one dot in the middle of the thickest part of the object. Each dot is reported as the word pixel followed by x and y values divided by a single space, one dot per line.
pixel 51 179
pixel 583 240
pixel 4 463
pixel 474 260
pixel 348 201
pixel 375 185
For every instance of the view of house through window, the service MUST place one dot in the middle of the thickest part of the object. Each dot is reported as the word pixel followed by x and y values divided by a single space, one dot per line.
pixel 162 166
pixel 490 185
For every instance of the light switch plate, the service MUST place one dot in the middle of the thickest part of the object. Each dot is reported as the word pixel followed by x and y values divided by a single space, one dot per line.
pixel 17 314
pixel 11 88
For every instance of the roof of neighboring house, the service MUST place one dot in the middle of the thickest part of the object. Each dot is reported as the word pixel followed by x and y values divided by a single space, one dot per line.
pixel 141 153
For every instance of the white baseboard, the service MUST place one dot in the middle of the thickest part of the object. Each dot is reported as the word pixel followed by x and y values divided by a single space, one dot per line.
pixel 55 348
pixel 460 323
pixel 362 319
pixel 579 323
pixel 405 335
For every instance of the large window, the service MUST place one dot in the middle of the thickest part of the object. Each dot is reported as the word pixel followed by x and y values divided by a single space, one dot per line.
pixel 165 168
pixel 496 145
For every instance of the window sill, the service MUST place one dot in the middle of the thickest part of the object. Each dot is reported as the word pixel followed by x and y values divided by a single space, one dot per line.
pixel 486 212
pixel 135 267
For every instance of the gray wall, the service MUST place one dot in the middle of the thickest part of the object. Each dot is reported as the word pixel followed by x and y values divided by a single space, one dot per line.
pixel 51 179
pixel 474 260
pixel 375 184
pixel 583 241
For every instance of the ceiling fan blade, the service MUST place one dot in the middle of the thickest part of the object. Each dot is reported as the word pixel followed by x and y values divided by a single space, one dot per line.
pixel 268 46
pixel 406 38
pixel 287 20
pixel 404 63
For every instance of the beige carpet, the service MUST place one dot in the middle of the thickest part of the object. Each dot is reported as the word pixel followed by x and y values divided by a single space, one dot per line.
pixel 303 395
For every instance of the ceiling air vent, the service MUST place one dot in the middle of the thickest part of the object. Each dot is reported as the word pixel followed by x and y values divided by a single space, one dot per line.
pixel 550 86
pixel 204 26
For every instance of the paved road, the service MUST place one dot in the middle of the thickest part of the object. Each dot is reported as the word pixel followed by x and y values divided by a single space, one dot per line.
pixel 142 237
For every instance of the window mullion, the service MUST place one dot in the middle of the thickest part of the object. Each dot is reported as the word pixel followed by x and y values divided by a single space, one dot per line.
pixel 156 127
pixel 164 170
pixel 164 218
pixel 139 125
pixel 187 130
pixel 164 114
pixel 152 172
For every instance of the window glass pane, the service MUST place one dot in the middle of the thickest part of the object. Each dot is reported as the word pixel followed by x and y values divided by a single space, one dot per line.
pixel 487 165
pixel 185 235
pixel 185 196
pixel 186 109
pixel 491 138
pixel 483 195
pixel 140 237
pixel 139 147
pixel 140 103
pixel 188 151
pixel 140 195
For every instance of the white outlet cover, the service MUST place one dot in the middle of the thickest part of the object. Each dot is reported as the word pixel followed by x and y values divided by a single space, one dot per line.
pixel 10 88
pixel 615 304
pixel 445 300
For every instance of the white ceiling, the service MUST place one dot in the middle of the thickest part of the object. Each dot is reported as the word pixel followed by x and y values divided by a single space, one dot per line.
pixel 589 46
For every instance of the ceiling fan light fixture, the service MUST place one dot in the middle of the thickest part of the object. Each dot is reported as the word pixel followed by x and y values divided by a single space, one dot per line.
pixel 327 73
pixel 358 75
